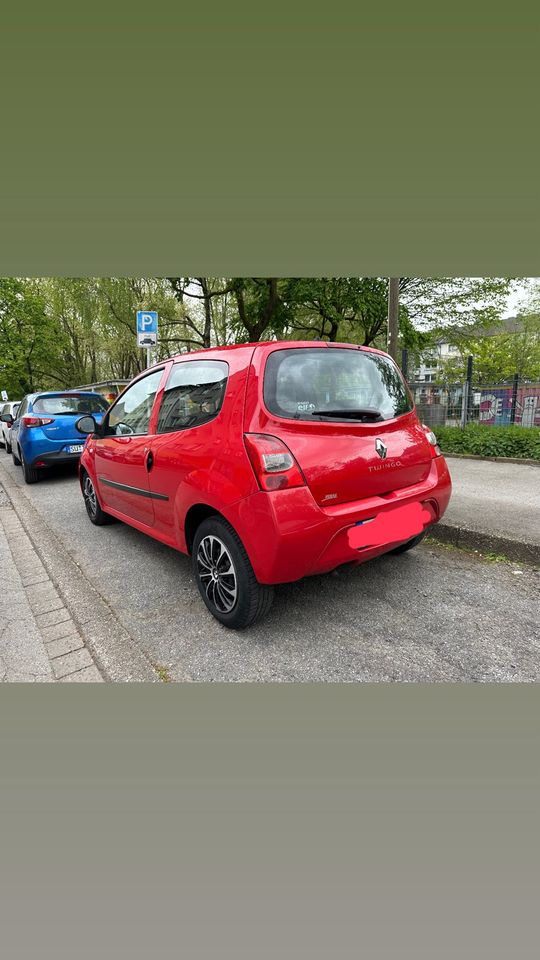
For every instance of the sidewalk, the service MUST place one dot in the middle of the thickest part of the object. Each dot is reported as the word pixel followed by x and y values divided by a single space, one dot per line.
pixel 100 635
pixel 495 508
pixel 38 639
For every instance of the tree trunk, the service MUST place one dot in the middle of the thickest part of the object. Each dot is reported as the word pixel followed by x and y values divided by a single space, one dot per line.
pixel 393 316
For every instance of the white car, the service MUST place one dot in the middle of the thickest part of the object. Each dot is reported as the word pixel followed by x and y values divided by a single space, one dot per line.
pixel 10 408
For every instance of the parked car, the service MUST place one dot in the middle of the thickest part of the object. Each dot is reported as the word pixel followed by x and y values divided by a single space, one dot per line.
pixel 10 409
pixel 44 431
pixel 266 463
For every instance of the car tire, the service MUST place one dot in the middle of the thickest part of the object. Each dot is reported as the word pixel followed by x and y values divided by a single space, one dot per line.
pixel 215 545
pixel 8 447
pixel 30 475
pixel 403 547
pixel 15 458
pixel 93 507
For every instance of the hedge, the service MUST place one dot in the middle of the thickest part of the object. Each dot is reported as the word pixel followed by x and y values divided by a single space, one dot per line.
pixel 521 443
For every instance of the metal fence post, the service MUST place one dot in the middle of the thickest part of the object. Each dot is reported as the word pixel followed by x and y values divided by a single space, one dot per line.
pixel 514 398
pixel 464 404
pixel 467 391
pixel 405 362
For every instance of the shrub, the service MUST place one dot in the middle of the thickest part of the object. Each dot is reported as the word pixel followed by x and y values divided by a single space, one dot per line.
pixel 522 443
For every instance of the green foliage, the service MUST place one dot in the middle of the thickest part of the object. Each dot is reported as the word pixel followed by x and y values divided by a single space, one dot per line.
pixel 262 309
pixel 68 331
pixel 522 443
pixel 355 309
pixel 450 302
pixel 498 357
pixel 352 309
pixel 29 338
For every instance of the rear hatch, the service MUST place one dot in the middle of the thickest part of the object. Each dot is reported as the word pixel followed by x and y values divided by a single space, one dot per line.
pixel 64 410
pixel 348 419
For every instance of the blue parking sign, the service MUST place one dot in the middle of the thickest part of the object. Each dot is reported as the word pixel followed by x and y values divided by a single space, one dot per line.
pixel 147 321
pixel 147 329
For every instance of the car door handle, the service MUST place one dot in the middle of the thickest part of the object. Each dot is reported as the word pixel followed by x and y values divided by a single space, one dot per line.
pixel 149 460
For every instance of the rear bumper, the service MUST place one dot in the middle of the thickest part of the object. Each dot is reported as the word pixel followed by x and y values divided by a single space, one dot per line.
pixel 36 447
pixel 288 536
pixel 53 459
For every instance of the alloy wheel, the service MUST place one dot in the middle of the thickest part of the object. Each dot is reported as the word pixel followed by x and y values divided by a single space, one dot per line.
pixel 90 495
pixel 217 574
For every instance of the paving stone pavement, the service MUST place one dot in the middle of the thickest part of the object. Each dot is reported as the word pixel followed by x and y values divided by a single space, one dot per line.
pixel 39 641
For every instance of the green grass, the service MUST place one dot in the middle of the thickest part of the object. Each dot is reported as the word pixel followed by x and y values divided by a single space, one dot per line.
pixel 162 673
pixel 520 443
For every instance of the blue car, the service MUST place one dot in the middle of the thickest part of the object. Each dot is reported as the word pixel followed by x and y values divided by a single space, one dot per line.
pixel 45 432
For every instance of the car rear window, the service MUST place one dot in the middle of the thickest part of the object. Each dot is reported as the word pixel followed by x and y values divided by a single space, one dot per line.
pixel 333 383
pixel 69 403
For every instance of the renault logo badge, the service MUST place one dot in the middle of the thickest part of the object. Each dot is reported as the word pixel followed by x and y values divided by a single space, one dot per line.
pixel 381 449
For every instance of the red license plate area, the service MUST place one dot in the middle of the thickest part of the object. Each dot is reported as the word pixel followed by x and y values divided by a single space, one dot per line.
pixel 391 526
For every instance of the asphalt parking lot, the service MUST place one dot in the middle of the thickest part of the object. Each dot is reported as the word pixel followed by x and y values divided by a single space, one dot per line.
pixel 434 614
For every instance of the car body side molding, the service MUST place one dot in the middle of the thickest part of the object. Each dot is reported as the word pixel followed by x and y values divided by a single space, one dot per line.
pixel 141 493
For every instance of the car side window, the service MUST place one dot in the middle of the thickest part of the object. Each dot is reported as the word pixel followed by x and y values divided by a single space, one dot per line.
pixel 22 409
pixel 131 413
pixel 193 395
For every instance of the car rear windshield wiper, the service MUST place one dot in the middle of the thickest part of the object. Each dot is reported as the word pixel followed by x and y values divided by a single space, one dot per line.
pixel 360 414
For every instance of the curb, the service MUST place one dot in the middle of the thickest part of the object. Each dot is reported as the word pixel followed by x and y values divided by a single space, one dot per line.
pixel 520 550
pixel 475 456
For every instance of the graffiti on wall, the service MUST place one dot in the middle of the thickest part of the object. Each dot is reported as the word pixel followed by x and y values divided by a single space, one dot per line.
pixel 496 406
pixel 528 406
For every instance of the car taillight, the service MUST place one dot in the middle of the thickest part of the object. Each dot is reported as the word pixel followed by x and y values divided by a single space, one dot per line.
pixel 36 421
pixel 432 440
pixel 273 462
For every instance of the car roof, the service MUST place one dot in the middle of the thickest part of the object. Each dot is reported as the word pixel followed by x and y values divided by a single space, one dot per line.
pixel 276 344
pixel 62 393
pixel 251 348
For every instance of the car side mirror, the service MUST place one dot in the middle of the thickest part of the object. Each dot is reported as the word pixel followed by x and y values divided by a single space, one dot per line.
pixel 7 418
pixel 86 425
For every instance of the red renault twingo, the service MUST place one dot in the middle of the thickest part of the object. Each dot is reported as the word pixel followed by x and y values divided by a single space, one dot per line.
pixel 266 462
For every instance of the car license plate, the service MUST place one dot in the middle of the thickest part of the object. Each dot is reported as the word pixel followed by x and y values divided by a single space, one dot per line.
pixel 391 526
pixel 75 448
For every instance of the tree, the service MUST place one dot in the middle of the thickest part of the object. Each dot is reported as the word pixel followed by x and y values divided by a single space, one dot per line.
pixel 238 308
pixel 113 304
pixel 356 308
pixel 338 308
pixel 465 302
pixel 497 357
pixel 199 292
pixel 31 339
pixel 261 308
pixel 60 332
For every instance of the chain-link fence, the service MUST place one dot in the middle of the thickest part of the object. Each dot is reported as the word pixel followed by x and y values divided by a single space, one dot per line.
pixel 500 404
